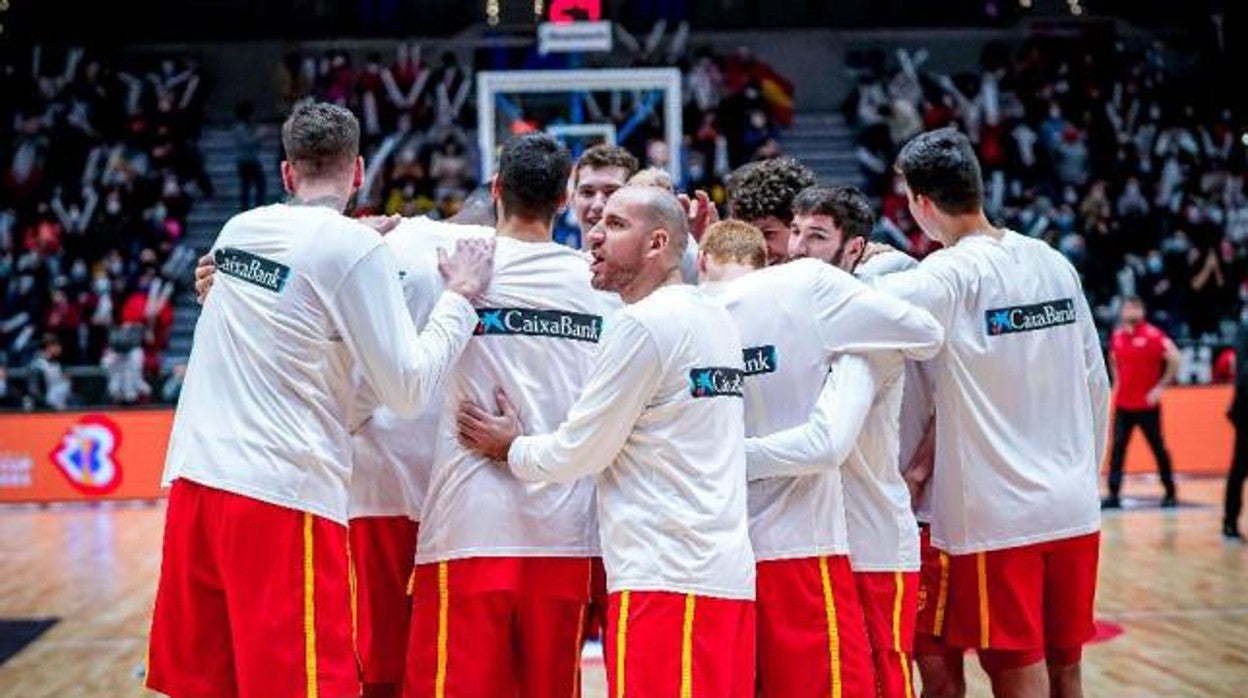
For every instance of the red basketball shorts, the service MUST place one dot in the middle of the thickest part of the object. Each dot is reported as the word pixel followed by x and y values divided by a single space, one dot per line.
pixel 383 555
pixel 505 626
pixel 1035 598
pixel 812 636
pixel 888 602
pixel 254 600
pixel 680 645
pixel 933 597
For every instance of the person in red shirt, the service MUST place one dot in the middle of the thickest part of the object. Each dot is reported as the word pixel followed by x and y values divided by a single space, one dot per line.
pixel 1143 362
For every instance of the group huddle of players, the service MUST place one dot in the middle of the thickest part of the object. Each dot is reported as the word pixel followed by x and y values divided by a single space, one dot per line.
pixel 758 456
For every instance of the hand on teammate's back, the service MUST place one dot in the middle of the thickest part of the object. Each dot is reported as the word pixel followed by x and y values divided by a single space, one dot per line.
pixel 489 434
pixel 203 277
pixel 468 271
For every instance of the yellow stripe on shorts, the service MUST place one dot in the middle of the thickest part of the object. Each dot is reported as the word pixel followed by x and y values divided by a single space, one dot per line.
pixel 444 593
pixel 834 633
pixel 686 649
pixel 309 606
pixel 621 636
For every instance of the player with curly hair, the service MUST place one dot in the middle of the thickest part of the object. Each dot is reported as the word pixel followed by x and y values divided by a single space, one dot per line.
pixel 762 193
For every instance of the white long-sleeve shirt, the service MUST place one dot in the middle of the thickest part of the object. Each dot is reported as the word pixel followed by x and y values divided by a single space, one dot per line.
pixel 540 326
pixel 793 319
pixel 1022 396
pixel 391 454
pixel 917 401
pixel 859 407
pixel 828 437
pixel 302 296
pixel 660 423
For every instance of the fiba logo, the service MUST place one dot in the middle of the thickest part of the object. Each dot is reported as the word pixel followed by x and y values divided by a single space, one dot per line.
pixel 86 455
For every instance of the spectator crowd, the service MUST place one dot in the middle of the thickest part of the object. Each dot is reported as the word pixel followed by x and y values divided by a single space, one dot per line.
pixel 100 170
pixel 413 115
pixel 1121 157
pixel 417 114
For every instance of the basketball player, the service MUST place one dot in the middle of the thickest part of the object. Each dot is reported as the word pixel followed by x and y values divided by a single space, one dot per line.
pixel 832 224
pixel 1022 393
pixel 813 638
pixel 761 194
pixel 729 250
pixel 599 172
pixel 254 597
pixel 392 456
pixel 503 565
pixel 660 425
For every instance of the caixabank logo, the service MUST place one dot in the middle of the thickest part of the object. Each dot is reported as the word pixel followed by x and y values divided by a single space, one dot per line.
pixel 715 381
pixel 539 323
pixel 1027 318
pixel 87 455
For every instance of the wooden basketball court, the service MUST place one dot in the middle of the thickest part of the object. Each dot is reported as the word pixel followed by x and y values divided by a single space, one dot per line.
pixel 1178 594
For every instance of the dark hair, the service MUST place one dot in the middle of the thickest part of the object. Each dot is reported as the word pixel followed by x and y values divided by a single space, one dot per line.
pixel 848 208
pixel 603 155
pixel 321 139
pixel 942 166
pixel 533 174
pixel 767 188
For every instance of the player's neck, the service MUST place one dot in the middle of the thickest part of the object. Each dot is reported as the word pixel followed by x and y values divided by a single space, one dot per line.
pixel 327 195
pixel 723 272
pixel 644 285
pixel 958 228
pixel 524 229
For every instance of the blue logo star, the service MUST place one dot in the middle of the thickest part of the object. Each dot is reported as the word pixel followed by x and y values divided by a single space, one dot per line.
pixel 1000 321
pixel 493 319
pixel 704 382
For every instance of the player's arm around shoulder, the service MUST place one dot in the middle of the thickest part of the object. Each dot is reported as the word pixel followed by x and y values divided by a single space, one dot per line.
pixel 622 383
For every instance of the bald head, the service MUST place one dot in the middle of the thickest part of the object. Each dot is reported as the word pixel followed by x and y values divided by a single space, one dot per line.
pixel 638 244
pixel 660 209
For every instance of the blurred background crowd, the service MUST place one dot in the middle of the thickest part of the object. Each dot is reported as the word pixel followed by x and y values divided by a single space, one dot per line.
pixel 1127 155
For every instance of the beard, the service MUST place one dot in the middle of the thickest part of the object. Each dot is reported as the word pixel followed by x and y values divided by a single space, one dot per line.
pixel 614 276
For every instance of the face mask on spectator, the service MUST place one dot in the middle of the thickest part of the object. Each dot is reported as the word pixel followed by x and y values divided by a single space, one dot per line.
pixel 78 272
pixel 100 285
pixel 113 207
